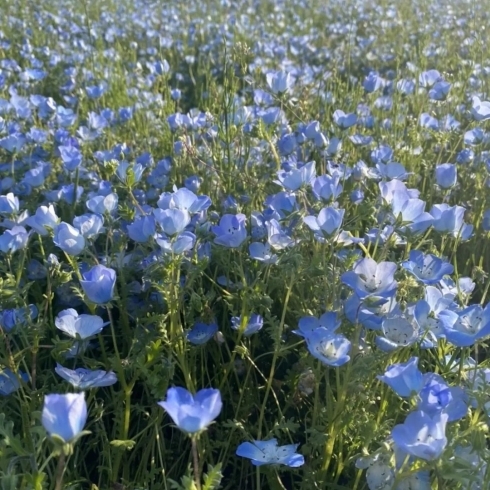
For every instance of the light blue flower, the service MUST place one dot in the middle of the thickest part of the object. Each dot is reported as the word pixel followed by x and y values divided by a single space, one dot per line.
pixel 268 452
pixel 75 325
pixel 421 435
pixel 404 378
pixel 64 416
pixel 427 268
pixel 254 324
pixel 192 413
pixel 84 379
pixel 9 381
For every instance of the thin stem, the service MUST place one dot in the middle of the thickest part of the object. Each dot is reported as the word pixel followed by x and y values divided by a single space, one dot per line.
pixel 195 463
pixel 60 469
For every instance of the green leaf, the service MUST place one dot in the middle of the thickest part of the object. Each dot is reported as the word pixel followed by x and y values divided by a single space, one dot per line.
pixel 212 479
pixel 129 444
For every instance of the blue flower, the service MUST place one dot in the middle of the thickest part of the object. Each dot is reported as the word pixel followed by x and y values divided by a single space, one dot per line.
pixel 436 396
pixel 201 333
pixel 69 239
pixel 295 178
pixel 404 378
pixel 370 279
pixel 471 324
pixel 343 120
pixel 64 416
pixel 328 222
pixel 450 219
pixel 98 284
pixel 75 325
pixel 307 324
pixel 84 379
pixel 44 219
pixel 17 317
pixel 330 348
pixel 192 414
pixel 277 237
pixel 177 245
pixel 89 225
pixel 71 157
pixel 262 253
pixel 268 452
pixel 14 239
pixel 279 81
pixel 231 231
pixel 9 204
pixel 9 381
pixel 446 175
pixel 142 229
pixel 255 323
pixel 428 269
pixel 421 435
pixel 480 109
pixel 326 187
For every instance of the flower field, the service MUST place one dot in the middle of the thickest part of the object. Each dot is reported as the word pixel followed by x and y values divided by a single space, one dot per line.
pixel 244 245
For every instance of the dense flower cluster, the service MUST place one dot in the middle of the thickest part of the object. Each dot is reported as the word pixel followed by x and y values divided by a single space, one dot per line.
pixel 274 222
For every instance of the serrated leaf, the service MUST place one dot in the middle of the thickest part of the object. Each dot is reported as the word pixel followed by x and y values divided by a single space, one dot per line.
pixel 212 479
pixel 129 444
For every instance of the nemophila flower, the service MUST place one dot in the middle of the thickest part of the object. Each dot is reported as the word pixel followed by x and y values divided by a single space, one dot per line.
pixel 89 225
pixel 446 175
pixel 471 324
pixel 480 110
pixel 192 413
pixel 421 435
pixel 69 239
pixel 327 223
pixel 428 78
pixel 465 156
pixel 17 317
pixel 295 178
pixel 404 378
pixel 326 187
pixel 254 324
pixel 9 204
pixel 44 219
pixel 398 332
pixel 103 203
pixel 64 416
pixel 14 239
pixel 473 137
pixel 370 279
pixel 392 170
pixel 84 379
pixel 307 324
pixel 437 397
pixel 98 284
pixel 9 381
pixel 142 228
pixel 427 314
pixel 177 245
pixel 75 325
pixel 268 452
pixel 172 221
pixel 231 231
pixel 450 219
pixel 279 82
pixel 415 481
pixel 262 253
pixel 277 237
pixel 427 268
pixel 464 287
pixel 71 157
pixel 428 122
pixel 330 348
pixel 439 90
pixel 409 214
pixel 369 315
pixel 343 120
pixel 201 333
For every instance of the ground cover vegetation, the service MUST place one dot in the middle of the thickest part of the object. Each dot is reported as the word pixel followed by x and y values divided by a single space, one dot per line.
pixel 244 245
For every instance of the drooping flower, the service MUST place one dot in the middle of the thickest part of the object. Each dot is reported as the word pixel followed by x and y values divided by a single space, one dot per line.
pixel 84 379
pixel 268 452
pixel 404 378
